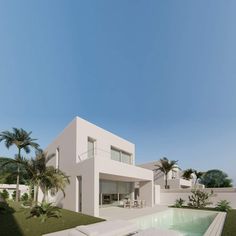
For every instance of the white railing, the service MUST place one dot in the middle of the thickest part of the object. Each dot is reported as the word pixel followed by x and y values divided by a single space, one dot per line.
pixel 96 152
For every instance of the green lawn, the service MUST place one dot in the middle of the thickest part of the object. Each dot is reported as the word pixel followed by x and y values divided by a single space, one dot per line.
pixel 230 224
pixel 17 223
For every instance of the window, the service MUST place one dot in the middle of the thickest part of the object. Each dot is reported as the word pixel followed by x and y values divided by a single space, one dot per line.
pixel 91 147
pixel 57 157
pixel 121 156
pixel 115 155
pixel 126 158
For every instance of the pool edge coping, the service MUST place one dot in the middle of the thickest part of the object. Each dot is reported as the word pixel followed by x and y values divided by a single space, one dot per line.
pixel 216 227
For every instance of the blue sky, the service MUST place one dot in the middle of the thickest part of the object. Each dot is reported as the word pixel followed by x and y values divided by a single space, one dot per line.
pixel 160 73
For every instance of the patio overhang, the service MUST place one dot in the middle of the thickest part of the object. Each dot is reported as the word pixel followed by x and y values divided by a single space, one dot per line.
pixel 114 170
pixel 121 178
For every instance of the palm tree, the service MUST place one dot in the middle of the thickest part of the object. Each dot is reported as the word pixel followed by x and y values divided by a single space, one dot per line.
pixel 48 178
pixel 54 180
pixel 188 174
pixel 198 175
pixel 166 166
pixel 22 140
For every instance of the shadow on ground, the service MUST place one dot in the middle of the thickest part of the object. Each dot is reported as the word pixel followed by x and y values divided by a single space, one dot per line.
pixel 8 224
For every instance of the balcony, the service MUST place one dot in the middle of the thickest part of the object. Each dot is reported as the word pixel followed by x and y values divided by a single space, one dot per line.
pixel 120 156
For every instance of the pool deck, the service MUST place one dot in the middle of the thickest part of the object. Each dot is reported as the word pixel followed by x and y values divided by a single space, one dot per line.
pixel 117 213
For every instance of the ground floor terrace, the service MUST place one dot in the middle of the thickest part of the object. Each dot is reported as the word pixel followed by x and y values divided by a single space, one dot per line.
pixel 117 190
pixel 100 182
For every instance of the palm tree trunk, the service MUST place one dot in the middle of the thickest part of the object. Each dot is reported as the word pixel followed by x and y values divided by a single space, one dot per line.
pixel 166 181
pixel 36 191
pixel 18 179
pixel 17 183
pixel 45 195
pixel 30 191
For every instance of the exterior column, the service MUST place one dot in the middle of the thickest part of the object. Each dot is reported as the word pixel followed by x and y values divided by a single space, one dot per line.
pixel 146 192
pixel 132 191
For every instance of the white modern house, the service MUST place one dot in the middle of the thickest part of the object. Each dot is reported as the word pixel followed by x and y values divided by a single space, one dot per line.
pixel 174 178
pixel 101 167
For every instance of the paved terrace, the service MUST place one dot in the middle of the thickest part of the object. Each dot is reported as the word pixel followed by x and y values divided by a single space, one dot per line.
pixel 115 213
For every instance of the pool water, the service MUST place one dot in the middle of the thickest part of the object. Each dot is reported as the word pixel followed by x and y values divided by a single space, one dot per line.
pixel 188 222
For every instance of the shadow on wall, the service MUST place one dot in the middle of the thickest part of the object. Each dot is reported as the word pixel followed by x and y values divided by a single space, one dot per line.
pixel 59 201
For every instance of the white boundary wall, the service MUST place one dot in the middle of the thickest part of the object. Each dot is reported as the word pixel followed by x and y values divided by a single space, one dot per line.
pixel 12 187
pixel 168 196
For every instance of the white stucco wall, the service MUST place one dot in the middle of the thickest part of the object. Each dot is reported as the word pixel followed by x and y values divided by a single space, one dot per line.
pixel 66 142
pixel 74 161
pixel 157 194
pixel 104 140
pixel 168 197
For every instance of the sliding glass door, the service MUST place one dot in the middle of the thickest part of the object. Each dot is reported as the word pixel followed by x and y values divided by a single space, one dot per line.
pixel 112 193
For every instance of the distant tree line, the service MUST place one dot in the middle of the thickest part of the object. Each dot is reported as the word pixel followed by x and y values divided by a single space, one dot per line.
pixel 8 173
pixel 211 179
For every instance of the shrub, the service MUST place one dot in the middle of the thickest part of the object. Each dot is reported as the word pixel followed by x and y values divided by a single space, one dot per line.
pixel 27 204
pixel 24 197
pixel 223 205
pixel 14 195
pixel 44 211
pixel 199 198
pixel 5 194
pixel 179 202
pixel 4 208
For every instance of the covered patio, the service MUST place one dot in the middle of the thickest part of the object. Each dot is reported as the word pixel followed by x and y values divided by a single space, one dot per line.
pixel 119 190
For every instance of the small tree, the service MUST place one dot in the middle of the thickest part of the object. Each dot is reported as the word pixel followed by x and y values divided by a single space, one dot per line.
pixel 24 197
pixel 5 194
pixel 188 174
pixel 166 166
pixel 198 175
pixel 14 195
pixel 216 179
pixel 199 199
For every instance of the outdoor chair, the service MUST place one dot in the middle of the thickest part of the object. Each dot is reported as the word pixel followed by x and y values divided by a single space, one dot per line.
pixel 139 203
pixel 143 203
pixel 129 203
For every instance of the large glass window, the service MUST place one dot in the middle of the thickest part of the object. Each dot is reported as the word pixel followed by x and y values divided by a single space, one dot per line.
pixel 112 192
pixel 119 155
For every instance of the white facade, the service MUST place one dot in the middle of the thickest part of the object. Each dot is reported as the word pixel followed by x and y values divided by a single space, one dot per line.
pixel 174 179
pixel 101 167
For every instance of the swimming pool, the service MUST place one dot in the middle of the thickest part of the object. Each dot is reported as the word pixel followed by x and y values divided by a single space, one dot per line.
pixel 188 222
